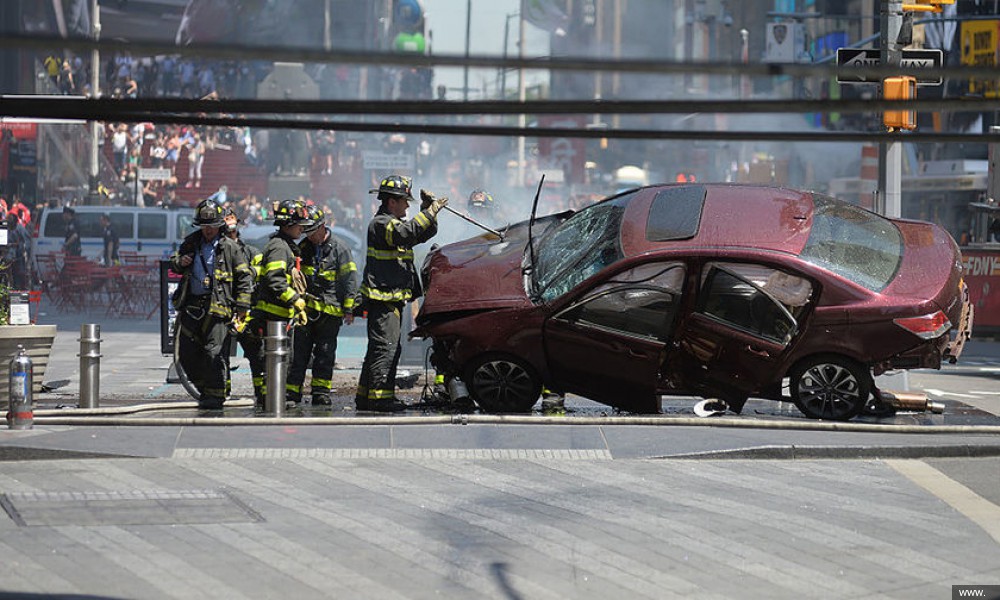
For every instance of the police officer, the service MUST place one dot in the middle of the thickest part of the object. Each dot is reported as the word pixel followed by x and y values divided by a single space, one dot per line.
pixel 277 296
pixel 390 281
pixel 332 283
pixel 214 290
pixel 111 244
pixel 71 232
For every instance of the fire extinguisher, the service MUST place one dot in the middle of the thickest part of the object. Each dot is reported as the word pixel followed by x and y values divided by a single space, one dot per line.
pixel 21 414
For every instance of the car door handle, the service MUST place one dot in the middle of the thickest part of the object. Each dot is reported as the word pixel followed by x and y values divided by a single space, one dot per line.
pixel 758 352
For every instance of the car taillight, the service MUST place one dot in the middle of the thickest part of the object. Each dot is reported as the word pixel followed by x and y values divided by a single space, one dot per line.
pixel 926 326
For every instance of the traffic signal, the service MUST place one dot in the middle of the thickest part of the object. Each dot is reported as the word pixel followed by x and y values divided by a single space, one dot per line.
pixel 927 5
pixel 408 27
pixel 899 88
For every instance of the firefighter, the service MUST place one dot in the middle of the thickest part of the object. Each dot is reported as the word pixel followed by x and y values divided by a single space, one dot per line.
pixel 482 206
pixel 279 288
pixel 252 256
pixel 331 286
pixel 390 281
pixel 214 291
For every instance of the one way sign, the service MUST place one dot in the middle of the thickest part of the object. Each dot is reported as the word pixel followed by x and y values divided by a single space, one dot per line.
pixel 869 57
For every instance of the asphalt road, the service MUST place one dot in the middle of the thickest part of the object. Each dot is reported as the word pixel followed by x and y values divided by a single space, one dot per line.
pixel 426 505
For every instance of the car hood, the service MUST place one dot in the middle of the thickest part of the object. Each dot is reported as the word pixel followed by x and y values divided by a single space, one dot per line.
pixel 478 273
pixel 481 272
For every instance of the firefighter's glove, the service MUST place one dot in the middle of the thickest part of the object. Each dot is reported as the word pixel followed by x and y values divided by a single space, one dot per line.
pixel 426 198
pixel 436 205
pixel 300 311
pixel 239 322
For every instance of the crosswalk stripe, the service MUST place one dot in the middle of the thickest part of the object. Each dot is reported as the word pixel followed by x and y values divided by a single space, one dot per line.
pixel 977 509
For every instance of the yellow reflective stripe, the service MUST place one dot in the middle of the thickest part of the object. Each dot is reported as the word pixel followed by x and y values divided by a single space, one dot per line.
pixel 287 295
pixel 220 309
pixel 349 303
pixel 422 220
pixel 397 296
pixel 328 275
pixel 389 254
pixel 325 308
pixel 321 383
pixel 278 265
pixel 388 231
pixel 274 309
pixel 380 394
pixel 293 388
pixel 348 268
pixel 308 270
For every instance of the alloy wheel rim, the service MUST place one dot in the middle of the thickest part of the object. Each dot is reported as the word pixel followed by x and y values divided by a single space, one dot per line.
pixel 502 382
pixel 829 390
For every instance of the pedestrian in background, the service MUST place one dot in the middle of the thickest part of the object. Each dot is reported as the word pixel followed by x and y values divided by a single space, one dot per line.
pixel 332 283
pixel 390 281
pixel 18 252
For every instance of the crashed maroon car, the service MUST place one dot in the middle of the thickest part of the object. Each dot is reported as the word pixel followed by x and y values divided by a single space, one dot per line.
pixel 714 290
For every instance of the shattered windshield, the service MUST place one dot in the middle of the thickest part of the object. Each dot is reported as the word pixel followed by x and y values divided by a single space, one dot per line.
pixel 854 243
pixel 579 248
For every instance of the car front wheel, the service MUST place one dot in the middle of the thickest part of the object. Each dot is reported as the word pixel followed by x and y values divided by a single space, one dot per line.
pixel 830 387
pixel 503 385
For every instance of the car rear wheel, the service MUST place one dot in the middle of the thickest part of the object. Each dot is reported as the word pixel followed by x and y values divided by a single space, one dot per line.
pixel 501 384
pixel 830 387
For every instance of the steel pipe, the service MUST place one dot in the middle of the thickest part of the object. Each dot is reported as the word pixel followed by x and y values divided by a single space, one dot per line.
pixel 90 365
pixel 276 351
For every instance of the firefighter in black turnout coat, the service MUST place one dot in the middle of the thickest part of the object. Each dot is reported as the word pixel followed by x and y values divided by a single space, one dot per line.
pixel 215 291
pixel 279 287
pixel 390 281
pixel 332 284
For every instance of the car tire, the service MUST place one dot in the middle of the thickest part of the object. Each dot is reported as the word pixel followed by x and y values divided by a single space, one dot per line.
pixel 830 387
pixel 502 384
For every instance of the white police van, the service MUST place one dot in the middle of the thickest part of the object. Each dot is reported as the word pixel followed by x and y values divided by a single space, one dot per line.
pixel 153 232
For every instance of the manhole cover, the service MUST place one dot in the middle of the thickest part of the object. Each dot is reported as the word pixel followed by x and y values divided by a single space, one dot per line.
pixel 184 507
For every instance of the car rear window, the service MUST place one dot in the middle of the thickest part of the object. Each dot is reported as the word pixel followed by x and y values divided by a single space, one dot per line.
pixel 856 244
pixel 675 214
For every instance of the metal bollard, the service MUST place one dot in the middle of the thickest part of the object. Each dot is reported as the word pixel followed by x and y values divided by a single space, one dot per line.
pixel 22 409
pixel 276 346
pixel 90 365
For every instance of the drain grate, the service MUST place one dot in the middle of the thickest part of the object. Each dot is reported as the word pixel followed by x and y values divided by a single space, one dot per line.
pixel 140 507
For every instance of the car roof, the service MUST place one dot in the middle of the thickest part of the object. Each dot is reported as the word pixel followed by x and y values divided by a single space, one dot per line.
pixel 717 215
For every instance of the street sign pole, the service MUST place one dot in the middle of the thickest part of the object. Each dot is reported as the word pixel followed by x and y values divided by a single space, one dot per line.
pixel 890 164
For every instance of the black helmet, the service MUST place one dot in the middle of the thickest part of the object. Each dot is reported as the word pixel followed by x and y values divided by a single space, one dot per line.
pixel 481 199
pixel 208 213
pixel 232 221
pixel 394 185
pixel 317 216
pixel 291 212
